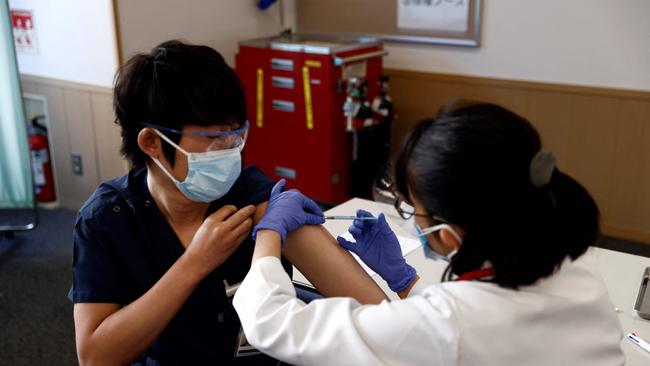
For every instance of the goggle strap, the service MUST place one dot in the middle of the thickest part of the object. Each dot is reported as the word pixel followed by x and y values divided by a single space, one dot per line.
pixel 162 136
pixel 243 129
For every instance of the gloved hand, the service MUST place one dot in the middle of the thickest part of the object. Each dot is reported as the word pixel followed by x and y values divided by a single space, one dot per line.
pixel 378 247
pixel 287 211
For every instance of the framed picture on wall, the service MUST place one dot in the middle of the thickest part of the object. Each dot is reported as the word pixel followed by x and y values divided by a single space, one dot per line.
pixel 437 22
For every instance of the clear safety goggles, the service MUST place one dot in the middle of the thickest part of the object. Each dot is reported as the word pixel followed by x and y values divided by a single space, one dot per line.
pixel 220 140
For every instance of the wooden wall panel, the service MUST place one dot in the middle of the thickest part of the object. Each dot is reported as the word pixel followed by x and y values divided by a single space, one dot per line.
pixel 552 123
pixel 81 120
pixel 107 137
pixel 590 153
pixel 416 106
pixel 29 87
pixel 79 117
pixel 514 100
pixel 600 136
pixel 630 190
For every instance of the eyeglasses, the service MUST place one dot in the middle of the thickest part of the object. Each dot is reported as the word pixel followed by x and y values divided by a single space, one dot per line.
pixel 406 211
pixel 221 140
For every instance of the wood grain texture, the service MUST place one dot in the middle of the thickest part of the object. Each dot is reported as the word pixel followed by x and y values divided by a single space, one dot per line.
pixel 107 137
pixel 81 131
pixel 601 136
pixel 81 120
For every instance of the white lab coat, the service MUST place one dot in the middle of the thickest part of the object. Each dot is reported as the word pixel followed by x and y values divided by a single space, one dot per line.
pixel 567 319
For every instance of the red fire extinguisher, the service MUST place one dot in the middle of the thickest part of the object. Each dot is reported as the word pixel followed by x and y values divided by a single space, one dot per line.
pixel 41 162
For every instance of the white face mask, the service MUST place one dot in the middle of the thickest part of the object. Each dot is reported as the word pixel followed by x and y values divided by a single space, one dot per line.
pixel 210 174
pixel 415 230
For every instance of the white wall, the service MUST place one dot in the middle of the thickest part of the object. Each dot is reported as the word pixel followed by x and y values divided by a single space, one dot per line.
pixel 220 24
pixel 603 43
pixel 76 40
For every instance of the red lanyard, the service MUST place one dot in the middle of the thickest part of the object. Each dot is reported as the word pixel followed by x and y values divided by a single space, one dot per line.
pixel 477 275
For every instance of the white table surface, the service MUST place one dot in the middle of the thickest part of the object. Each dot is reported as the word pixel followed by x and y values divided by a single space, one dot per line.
pixel 621 272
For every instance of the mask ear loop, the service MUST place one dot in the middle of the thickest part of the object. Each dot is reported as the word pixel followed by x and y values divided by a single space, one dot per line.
pixel 155 160
pixel 165 170
pixel 441 227
pixel 447 273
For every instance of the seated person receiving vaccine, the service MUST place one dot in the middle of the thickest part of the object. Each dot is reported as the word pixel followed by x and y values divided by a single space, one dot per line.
pixel 155 249
pixel 488 199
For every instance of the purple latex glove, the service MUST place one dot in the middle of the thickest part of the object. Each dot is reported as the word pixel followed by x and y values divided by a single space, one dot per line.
pixel 378 247
pixel 287 211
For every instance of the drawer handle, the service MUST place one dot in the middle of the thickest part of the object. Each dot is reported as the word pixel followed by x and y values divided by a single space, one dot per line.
pixel 282 82
pixel 281 64
pixel 283 172
pixel 283 106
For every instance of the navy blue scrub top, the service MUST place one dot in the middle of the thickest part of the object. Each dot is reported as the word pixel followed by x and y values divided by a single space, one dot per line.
pixel 123 245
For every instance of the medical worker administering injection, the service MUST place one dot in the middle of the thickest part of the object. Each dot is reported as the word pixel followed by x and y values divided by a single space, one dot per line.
pixel 483 194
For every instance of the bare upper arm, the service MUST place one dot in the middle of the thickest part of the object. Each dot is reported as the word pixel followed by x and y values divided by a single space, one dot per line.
pixel 328 266
pixel 259 212
pixel 88 317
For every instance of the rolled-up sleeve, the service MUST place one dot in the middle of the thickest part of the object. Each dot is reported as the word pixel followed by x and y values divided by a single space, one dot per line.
pixel 335 331
pixel 417 289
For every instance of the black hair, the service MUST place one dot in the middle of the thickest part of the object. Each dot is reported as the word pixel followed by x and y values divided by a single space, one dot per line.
pixel 471 166
pixel 173 85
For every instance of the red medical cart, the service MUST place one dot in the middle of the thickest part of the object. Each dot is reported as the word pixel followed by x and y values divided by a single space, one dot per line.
pixel 296 88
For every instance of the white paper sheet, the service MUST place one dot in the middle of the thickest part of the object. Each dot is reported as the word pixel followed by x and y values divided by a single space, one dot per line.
pixel 406 244
pixel 436 15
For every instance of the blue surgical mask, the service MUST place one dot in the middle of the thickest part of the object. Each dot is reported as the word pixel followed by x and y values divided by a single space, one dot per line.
pixel 414 228
pixel 210 174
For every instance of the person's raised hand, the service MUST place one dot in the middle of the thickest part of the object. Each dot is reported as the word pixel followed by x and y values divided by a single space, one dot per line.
pixel 287 211
pixel 378 247
pixel 218 237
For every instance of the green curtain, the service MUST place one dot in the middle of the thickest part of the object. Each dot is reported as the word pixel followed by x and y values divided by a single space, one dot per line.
pixel 16 189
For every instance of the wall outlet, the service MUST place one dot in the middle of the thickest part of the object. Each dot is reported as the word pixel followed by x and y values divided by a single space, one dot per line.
pixel 77 166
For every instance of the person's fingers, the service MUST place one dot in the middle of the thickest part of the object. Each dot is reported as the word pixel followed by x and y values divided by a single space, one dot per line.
pixel 311 207
pixel 381 221
pixel 223 213
pixel 358 223
pixel 237 242
pixel 311 219
pixel 346 244
pixel 363 213
pixel 277 188
pixel 242 229
pixel 364 224
pixel 355 231
pixel 238 217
